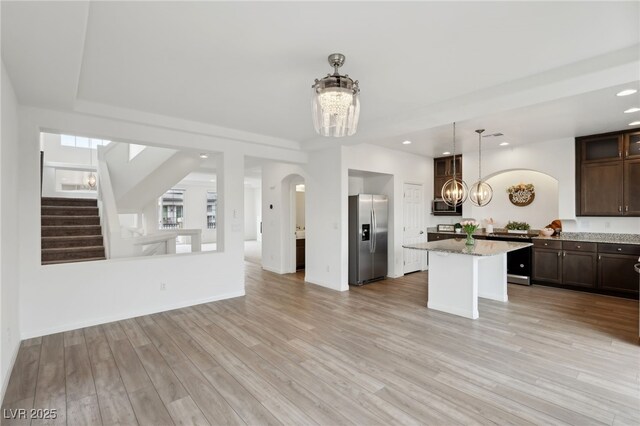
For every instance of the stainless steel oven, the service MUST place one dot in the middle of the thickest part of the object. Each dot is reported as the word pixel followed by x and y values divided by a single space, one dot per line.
pixel 440 208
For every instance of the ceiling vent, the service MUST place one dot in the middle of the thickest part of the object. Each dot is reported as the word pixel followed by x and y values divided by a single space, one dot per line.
pixel 493 135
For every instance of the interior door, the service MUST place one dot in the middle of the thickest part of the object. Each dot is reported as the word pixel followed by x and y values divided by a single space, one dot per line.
pixel 413 225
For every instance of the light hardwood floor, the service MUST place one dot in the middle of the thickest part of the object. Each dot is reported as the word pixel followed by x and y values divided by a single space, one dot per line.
pixel 293 353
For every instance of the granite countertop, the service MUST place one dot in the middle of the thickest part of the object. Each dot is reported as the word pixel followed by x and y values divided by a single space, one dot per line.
pixel 595 237
pixel 480 248
pixel 591 237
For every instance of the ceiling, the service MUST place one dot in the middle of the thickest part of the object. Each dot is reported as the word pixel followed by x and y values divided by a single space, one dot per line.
pixel 533 70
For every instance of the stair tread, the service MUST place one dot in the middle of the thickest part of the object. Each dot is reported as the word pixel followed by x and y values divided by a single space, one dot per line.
pixel 88 259
pixel 67 216
pixel 69 226
pixel 71 249
pixel 71 237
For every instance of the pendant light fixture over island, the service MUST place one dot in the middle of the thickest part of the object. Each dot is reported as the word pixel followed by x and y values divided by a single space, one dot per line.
pixel 481 192
pixel 454 191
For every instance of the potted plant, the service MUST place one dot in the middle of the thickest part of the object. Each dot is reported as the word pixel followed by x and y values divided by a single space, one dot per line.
pixel 517 227
pixel 458 228
pixel 469 226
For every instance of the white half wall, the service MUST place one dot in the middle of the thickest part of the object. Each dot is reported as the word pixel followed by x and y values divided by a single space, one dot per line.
pixel 9 232
pixel 62 297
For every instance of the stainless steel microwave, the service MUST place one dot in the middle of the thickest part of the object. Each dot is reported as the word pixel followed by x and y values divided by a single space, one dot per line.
pixel 440 208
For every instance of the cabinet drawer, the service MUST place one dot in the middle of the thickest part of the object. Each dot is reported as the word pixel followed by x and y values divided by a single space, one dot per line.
pixel 619 248
pixel 549 244
pixel 579 246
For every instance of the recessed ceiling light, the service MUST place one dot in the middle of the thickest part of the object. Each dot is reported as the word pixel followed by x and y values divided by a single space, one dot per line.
pixel 634 123
pixel 446 153
pixel 626 92
pixel 203 155
pixel 630 110
pixel 406 143
pixel 504 143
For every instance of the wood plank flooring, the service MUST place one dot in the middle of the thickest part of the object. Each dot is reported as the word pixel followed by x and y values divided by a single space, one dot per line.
pixel 293 353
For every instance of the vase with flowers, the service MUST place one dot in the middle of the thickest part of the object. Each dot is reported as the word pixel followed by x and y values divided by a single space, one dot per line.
pixel 469 227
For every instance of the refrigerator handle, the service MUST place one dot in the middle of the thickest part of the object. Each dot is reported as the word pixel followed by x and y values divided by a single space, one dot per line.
pixel 372 233
pixel 375 230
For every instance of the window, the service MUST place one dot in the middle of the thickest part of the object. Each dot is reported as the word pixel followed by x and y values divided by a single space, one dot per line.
pixel 172 209
pixel 82 142
pixel 212 201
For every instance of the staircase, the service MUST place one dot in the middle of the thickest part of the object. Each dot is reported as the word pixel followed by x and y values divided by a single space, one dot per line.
pixel 71 230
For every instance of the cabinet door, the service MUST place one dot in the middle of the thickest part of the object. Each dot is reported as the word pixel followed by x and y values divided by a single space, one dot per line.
pixel 438 183
pixel 601 189
pixel 441 167
pixel 458 166
pixel 579 268
pixel 547 265
pixel 615 272
pixel 632 145
pixel 632 187
pixel 601 148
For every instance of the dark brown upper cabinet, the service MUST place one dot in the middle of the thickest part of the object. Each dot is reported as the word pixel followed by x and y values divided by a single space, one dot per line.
pixel 443 171
pixel 607 166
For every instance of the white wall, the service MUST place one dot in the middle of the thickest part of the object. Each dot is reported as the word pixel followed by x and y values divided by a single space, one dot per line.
pixel 274 212
pixel 250 214
pixel 555 158
pixel 538 214
pixel 300 220
pixel 62 297
pixel 9 232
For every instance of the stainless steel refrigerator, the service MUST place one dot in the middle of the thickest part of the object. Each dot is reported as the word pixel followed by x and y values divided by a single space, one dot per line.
pixel 368 226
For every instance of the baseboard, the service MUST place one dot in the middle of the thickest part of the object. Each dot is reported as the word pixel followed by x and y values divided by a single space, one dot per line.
pixel 452 310
pixel 322 283
pixel 12 361
pixel 274 270
pixel 119 317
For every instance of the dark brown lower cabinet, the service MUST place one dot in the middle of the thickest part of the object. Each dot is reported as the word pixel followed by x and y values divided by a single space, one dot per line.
pixel 602 268
pixel 579 268
pixel 616 273
pixel 547 265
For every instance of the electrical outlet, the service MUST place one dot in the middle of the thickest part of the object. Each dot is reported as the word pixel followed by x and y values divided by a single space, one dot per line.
pixel 163 286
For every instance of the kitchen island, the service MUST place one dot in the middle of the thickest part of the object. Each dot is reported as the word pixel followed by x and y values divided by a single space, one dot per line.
pixel 460 273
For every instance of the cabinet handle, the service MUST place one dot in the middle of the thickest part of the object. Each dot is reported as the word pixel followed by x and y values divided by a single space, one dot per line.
pixel 564 254
pixel 619 154
pixel 626 208
pixel 559 254
pixel 619 249
pixel 626 154
pixel 578 246
pixel 620 208
pixel 599 257
pixel 546 244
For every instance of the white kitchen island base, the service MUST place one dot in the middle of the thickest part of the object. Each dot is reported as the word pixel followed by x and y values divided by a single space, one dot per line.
pixel 457 280
pixel 460 273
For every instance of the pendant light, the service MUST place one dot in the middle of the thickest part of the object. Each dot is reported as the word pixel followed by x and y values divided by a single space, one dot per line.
pixel 454 191
pixel 481 192
pixel 336 107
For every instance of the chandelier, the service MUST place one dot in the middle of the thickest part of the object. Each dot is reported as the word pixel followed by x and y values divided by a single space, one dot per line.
pixel 336 106
pixel 481 192
pixel 454 191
